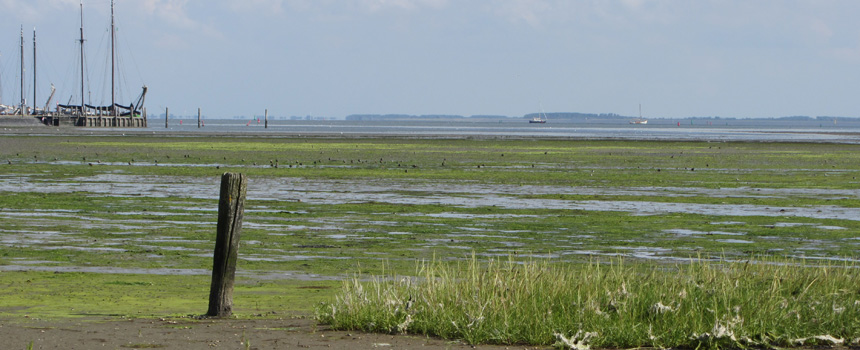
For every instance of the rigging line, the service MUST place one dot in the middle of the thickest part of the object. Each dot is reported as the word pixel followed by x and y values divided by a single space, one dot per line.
pixel 124 43
pixel 44 77
pixel 125 89
pixel 9 66
pixel 2 74
pixel 69 72
pixel 87 80
pixel 14 66
pixel 52 71
pixel 104 86
pixel 104 77
pixel 121 83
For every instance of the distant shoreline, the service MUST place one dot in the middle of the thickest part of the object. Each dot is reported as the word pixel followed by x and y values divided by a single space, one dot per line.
pixel 794 131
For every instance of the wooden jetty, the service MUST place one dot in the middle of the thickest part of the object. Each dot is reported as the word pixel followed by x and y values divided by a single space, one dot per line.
pixel 80 114
pixel 95 121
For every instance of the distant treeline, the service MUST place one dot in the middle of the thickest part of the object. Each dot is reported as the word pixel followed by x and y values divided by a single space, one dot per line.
pixel 424 116
pixel 803 117
pixel 611 116
pixel 573 115
pixel 792 117
pixel 562 115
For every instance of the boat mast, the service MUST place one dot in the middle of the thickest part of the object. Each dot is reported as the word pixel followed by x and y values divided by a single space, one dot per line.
pixel 83 103
pixel 34 69
pixel 22 70
pixel 112 62
pixel 1 85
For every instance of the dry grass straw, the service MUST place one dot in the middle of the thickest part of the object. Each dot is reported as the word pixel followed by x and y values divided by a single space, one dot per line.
pixel 769 302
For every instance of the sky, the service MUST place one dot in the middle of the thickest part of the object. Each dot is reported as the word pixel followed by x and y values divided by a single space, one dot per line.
pixel 333 58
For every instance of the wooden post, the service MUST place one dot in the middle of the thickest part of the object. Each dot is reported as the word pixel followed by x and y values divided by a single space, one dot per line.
pixel 266 125
pixel 198 117
pixel 231 209
pixel 166 115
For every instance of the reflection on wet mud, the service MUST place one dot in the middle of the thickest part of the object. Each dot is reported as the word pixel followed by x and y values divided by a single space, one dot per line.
pixel 168 227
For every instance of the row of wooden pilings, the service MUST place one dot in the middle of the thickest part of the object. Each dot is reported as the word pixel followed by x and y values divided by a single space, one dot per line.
pixel 200 118
pixel 113 122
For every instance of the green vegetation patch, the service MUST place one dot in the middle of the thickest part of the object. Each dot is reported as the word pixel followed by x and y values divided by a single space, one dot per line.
pixel 703 304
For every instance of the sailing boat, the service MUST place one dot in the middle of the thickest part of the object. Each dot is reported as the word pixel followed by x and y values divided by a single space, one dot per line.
pixel 639 120
pixel 83 110
pixel 22 109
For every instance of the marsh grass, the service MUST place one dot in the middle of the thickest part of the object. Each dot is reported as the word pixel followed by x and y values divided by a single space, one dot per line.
pixel 770 302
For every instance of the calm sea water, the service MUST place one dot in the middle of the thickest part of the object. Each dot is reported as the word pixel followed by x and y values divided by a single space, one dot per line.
pixel 842 130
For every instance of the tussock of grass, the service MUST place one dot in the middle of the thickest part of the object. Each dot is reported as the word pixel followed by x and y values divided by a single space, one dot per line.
pixel 700 304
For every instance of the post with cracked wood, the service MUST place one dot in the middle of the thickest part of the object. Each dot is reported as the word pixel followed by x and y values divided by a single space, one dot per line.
pixel 231 209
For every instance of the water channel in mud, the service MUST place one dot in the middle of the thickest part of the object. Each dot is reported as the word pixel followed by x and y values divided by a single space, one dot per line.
pixel 60 229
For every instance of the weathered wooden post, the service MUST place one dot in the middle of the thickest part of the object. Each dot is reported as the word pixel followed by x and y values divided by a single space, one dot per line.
pixel 266 117
pixel 198 117
pixel 166 115
pixel 231 209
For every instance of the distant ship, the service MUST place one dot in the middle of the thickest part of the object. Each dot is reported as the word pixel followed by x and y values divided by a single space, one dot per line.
pixel 639 120
pixel 540 118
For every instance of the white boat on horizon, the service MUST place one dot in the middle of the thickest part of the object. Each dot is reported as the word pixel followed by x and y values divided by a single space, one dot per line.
pixel 639 120
pixel 539 119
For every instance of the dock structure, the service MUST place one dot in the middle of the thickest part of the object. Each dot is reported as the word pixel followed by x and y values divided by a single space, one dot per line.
pixel 95 121
pixel 112 122
pixel 81 114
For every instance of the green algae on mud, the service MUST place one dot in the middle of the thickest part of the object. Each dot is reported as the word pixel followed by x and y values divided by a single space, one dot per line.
pixel 50 295
pixel 354 228
pixel 149 202
pixel 615 163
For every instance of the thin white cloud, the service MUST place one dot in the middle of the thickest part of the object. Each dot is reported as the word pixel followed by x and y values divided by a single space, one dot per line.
pixel 603 12
pixel 171 11
pixel 531 12
pixel 21 10
pixel 30 10
pixel 174 13
pixel 409 5
pixel 633 4
pixel 819 29
pixel 277 7
pixel 266 7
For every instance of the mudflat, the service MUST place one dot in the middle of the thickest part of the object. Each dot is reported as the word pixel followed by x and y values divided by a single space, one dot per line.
pixel 106 235
pixel 192 334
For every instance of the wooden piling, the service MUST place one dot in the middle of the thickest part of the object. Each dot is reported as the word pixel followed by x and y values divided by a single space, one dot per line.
pixel 231 209
pixel 198 117
pixel 266 125
pixel 166 115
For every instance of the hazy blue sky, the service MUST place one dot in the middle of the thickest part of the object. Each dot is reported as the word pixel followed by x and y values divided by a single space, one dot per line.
pixel 730 58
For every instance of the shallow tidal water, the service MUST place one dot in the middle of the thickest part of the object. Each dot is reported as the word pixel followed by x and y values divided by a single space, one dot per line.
pixel 123 231
pixel 154 224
